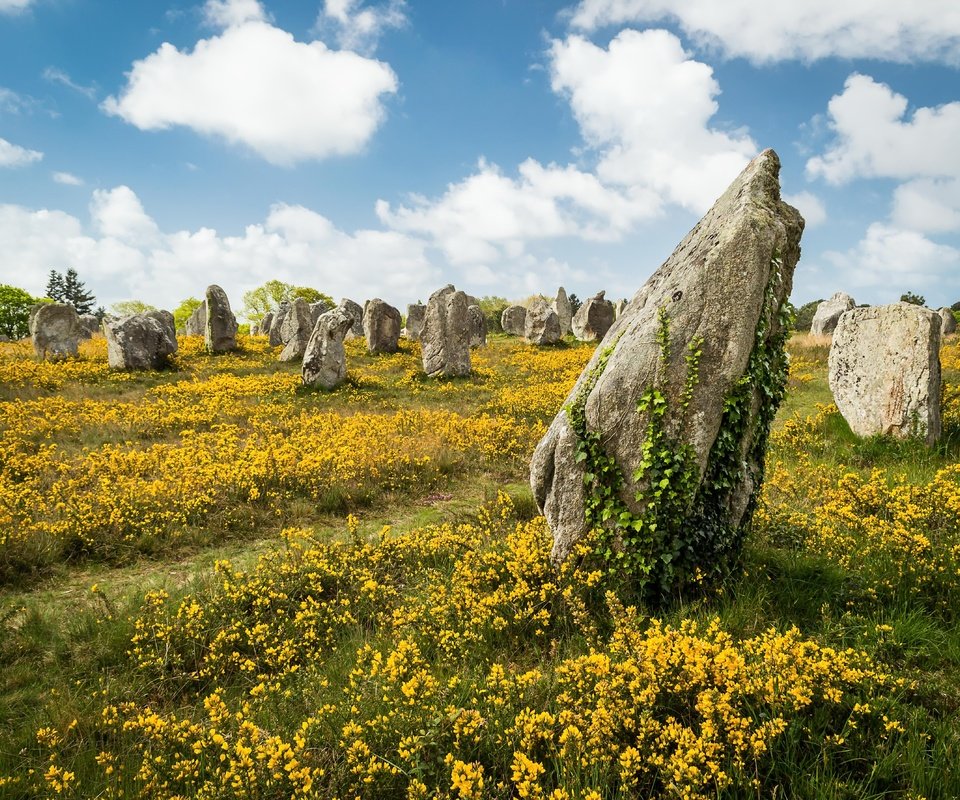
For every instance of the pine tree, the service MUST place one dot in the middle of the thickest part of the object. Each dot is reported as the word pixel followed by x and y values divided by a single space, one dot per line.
pixel 76 294
pixel 55 286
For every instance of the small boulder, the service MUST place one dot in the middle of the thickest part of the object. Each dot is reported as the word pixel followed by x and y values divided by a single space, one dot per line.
pixel 564 311
pixel 541 325
pixel 141 341
pixel 478 326
pixel 885 371
pixel 296 330
pixel 56 331
pixel 197 321
pixel 513 320
pixel 325 360
pixel 381 326
pixel 828 313
pixel 415 315
pixel 221 328
pixel 593 319
pixel 445 338
pixel 948 322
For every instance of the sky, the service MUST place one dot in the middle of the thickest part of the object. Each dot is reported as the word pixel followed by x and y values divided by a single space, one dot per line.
pixel 384 149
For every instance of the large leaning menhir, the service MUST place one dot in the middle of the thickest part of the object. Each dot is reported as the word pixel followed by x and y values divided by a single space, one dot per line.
pixel 661 443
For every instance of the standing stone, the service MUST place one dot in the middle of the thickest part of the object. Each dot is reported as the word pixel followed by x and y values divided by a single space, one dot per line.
pixel 513 320
pixel 197 322
pixel 720 295
pixel 619 307
pixel 263 329
pixel 885 371
pixel 593 319
pixel 89 325
pixel 318 308
pixel 296 330
pixel 445 338
pixel 276 325
pixel 381 326
pixel 948 322
pixel 542 324
pixel 141 341
pixel 478 326
pixel 325 360
pixel 221 328
pixel 564 311
pixel 355 312
pixel 828 313
pixel 56 331
pixel 415 315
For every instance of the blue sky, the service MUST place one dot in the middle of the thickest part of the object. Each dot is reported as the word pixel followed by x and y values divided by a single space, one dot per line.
pixel 507 146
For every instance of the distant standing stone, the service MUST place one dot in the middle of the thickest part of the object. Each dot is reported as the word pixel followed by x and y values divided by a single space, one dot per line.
pixel 318 308
pixel 56 331
pixel 564 311
pixel 355 311
pixel 619 307
pixel 885 371
pixel 415 315
pixel 221 328
pixel 89 324
pixel 828 313
pixel 445 338
pixel 542 325
pixel 141 341
pixel 197 322
pixel 325 360
pixel 381 326
pixel 263 329
pixel 513 320
pixel 296 330
pixel 478 326
pixel 276 325
pixel 948 322
pixel 593 319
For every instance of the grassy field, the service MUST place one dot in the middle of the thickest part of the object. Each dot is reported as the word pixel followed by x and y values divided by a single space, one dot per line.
pixel 216 583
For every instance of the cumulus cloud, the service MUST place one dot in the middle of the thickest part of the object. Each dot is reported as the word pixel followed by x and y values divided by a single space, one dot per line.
pixel 255 85
pixel 646 107
pixel 67 179
pixel 875 139
pixel 358 27
pixel 13 6
pixel 489 216
pixel 227 13
pixel 786 29
pixel 928 205
pixel 12 155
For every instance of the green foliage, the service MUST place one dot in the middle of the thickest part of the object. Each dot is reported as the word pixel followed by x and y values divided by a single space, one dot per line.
pixel 804 316
pixel 15 307
pixel 493 308
pixel 575 303
pixel 268 297
pixel 71 290
pixel 126 308
pixel 183 311
pixel 911 297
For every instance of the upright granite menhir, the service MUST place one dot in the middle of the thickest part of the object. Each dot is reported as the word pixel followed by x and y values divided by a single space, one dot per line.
pixel 660 444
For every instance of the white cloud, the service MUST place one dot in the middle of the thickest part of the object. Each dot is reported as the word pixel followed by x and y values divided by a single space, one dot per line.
pixel 119 214
pixel 810 207
pixel 358 27
pixel 898 260
pixel 12 155
pixel 787 29
pixel 646 107
pixel 13 6
pixel 489 216
pixel 875 140
pixel 57 75
pixel 255 85
pixel 227 13
pixel 67 179
pixel 928 205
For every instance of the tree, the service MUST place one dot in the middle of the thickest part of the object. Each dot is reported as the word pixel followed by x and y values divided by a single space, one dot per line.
pixel 55 287
pixel 268 297
pixel 492 308
pixel 126 308
pixel 15 305
pixel 916 299
pixel 804 318
pixel 574 303
pixel 184 311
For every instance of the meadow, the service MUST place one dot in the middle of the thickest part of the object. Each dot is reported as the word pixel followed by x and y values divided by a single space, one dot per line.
pixel 215 583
